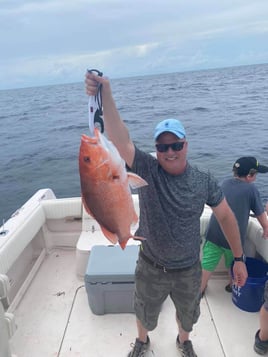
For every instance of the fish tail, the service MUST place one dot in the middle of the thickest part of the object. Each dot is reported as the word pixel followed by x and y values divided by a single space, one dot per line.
pixel 123 244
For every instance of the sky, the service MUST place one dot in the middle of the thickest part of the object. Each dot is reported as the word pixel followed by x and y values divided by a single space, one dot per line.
pixel 54 41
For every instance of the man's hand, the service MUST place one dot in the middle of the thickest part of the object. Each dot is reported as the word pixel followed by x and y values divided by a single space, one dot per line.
pixel 93 81
pixel 240 273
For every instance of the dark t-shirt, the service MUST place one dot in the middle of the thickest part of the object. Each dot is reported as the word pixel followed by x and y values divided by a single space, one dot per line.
pixel 170 210
pixel 241 197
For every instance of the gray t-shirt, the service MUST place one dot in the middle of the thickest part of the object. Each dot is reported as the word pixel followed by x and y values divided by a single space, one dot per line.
pixel 241 197
pixel 170 210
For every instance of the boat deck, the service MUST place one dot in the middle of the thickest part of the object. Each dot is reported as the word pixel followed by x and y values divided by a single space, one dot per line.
pixel 54 319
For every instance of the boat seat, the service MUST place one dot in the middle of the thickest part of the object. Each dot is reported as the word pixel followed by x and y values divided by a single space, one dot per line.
pixel 7 320
pixel 4 336
pixel 255 243
pixel 28 223
pixel 62 208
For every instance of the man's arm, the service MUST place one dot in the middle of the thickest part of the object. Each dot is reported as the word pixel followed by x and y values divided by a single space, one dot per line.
pixel 229 226
pixel 114 126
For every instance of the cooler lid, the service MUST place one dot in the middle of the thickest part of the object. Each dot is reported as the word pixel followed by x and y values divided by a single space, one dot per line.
pixel 111 264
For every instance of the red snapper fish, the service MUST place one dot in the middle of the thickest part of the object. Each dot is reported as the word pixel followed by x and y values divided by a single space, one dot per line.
pixel 105 187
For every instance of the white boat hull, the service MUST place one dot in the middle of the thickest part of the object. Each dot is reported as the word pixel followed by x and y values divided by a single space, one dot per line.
pixel 44 255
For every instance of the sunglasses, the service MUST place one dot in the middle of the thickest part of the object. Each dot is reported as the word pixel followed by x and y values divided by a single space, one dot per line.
pixel 178 146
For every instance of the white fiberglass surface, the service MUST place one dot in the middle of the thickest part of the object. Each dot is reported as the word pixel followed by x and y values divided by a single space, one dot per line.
pixel 54 319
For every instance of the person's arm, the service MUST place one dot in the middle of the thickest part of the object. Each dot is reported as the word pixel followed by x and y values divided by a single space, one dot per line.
pixel 229 226
pixel 114 126
pixel 264 223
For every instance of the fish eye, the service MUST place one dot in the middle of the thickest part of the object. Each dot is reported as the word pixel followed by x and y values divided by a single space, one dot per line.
pixel 86 159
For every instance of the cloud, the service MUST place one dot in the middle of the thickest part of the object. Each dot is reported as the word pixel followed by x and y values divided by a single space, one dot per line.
pixel 45 42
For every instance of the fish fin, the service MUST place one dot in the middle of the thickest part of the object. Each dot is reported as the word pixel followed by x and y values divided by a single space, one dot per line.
pixel 139 238
pixel 86 208
pixel 109 235
pixel 124 242
pixel 135 181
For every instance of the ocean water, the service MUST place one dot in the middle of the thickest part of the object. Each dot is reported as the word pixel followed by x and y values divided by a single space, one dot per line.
pixel 224 112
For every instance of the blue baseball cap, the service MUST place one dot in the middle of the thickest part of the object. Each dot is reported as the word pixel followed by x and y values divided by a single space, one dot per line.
pixel 173 126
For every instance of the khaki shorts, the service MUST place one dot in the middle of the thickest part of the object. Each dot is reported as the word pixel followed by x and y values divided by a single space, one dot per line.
pixel 153 286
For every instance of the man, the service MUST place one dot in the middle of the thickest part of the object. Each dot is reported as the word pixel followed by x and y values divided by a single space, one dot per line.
pixel 242 196
pixel 170 210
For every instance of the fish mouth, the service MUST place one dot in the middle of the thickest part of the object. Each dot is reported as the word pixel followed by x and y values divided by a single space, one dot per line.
pixel 88 139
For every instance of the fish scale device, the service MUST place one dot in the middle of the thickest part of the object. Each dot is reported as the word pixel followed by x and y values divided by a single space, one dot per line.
pixel 95 107
pixel 105 182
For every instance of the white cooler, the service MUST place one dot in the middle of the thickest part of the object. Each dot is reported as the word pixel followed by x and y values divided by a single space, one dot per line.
pixel 109 279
